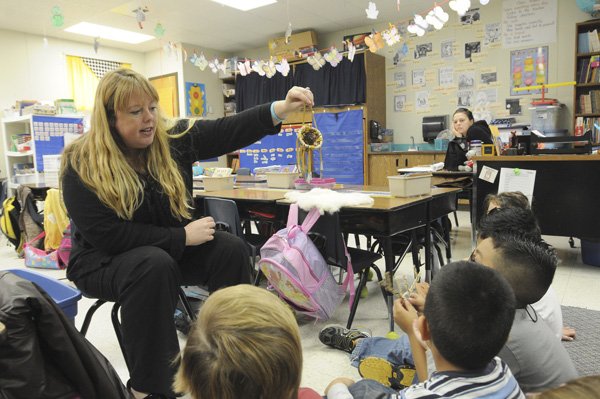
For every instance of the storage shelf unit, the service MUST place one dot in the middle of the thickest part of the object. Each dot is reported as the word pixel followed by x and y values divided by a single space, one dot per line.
pixel 43 135
pixel 586 97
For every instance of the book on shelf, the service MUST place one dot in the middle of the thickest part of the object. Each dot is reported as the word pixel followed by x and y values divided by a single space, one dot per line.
pixel 594 42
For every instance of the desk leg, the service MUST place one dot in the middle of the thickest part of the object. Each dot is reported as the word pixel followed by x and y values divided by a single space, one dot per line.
pixel 428 271
pixel 388 255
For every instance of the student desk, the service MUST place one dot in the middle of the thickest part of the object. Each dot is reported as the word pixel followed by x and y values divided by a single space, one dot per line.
pixel 565 195
pixel 387 216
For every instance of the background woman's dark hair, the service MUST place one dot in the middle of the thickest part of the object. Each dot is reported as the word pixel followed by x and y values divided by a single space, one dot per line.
pixel 464 111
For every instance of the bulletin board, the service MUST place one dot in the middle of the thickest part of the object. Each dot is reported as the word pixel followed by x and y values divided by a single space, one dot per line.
pixel 49 135
pixel 278 149
pixel 528 67
pixel 195 99
pixel 342 149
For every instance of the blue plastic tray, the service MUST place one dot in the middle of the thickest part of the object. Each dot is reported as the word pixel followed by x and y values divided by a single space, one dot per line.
pixel 65 296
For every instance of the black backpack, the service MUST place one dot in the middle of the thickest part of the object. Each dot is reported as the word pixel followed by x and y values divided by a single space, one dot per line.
pixel 9 222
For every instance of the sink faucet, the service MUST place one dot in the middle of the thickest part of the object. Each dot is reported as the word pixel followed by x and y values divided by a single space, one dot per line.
pixel 413 141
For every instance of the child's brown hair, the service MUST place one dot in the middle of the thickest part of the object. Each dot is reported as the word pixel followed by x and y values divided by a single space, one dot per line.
pixel 245 344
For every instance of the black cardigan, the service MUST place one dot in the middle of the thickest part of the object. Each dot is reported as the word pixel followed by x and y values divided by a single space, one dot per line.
pixel 456 154
pixel 98 233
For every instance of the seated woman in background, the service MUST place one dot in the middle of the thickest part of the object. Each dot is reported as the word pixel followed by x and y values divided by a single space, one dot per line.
pixel 465 130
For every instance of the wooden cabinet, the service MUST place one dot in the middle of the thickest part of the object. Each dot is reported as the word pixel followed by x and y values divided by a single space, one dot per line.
pixel 586 97
pixel 387 164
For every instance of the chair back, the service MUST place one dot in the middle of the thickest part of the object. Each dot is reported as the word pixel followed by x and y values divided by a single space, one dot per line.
pixel 224 212
pixel 327 235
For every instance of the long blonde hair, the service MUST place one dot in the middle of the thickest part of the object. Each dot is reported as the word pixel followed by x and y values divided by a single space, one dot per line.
pixel 101 164
pixel 245 344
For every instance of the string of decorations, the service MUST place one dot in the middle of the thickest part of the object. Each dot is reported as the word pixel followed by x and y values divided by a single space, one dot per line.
pixel 418 25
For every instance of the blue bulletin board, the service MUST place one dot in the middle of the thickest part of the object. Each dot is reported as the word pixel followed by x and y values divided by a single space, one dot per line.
pixel 49 135
pixel 342 148
pixel 279 149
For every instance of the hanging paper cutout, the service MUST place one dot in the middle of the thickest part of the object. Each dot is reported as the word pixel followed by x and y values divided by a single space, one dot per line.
pixel 316 61
pixel 374 41
pixel 333 57
pixel 372 11
pixel 391 35
pixel 140 15
pixel 351 50
pixel 201 62
pixel 159 31
pixel 57 18
pixel 288 33
pixel 257 67
pixel 244 68
pixel 283 67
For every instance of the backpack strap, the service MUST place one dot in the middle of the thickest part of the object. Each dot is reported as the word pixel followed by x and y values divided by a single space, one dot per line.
pixel 292 216
pixel 310 219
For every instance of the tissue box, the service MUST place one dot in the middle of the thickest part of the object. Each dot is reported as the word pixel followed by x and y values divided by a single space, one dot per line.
pixel 218 183
pixel 281 179
pixel 410 185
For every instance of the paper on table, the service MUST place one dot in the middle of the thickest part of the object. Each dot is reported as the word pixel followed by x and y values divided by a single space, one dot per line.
pixel 429 168
pixel 515 179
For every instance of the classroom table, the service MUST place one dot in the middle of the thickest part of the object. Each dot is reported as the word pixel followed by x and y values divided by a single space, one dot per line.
pixel 387 216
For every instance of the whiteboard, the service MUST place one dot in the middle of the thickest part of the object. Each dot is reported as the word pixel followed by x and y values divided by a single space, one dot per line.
pixel 529 22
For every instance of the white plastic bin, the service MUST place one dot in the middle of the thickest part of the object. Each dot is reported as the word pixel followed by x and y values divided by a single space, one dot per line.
pixel 410 185
pixel 217 183
pixel 281 179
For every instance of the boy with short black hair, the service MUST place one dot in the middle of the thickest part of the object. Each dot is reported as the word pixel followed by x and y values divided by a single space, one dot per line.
pixel 536 358
pixel 464 348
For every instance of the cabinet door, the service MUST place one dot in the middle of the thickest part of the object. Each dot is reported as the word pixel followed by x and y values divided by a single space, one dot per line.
pixel 382 166
pixel 417 160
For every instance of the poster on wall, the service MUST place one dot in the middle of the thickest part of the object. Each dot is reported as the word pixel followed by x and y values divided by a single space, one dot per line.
pixel 493 33
pixel 399 102
pixel 528 67
pixel 526 23
pixel 447 48
pixel 195 99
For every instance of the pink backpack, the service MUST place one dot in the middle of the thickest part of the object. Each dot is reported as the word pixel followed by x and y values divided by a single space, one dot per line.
pixel 64 249
pixel 296 269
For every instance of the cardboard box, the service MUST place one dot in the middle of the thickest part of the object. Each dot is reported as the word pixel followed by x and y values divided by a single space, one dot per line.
pixel 279 48
pixel 410 185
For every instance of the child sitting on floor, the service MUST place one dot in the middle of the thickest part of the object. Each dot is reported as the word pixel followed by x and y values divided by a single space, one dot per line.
pixel 464 348
pixel 245 344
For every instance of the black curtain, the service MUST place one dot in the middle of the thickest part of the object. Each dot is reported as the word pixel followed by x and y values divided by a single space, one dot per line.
pixel 253 89
pixel 342 85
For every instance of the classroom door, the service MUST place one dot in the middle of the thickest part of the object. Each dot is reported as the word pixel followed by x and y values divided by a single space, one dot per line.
pixel 168 93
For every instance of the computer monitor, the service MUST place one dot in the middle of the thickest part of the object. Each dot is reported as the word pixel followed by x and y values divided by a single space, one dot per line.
pixel 433 125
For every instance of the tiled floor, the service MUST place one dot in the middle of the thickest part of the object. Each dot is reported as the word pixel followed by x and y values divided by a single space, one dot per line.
pixel 577 284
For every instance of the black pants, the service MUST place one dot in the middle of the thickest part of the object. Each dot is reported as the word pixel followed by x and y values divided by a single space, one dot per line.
pixel 145 281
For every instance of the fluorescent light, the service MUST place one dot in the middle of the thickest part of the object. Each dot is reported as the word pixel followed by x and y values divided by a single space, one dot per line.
pixel 106 32
pixel 245 5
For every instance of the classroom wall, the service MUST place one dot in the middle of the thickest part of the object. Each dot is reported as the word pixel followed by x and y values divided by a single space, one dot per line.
pixel 34 70
pixel 494 57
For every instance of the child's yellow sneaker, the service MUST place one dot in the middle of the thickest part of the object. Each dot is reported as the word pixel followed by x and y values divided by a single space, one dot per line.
pixel 386 373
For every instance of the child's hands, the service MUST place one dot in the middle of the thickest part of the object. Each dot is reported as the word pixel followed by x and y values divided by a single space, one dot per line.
pixel 417 298
pixel 404 315
pixel 200 231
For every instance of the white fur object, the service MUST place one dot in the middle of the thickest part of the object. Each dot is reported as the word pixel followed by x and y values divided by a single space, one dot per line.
pixel 327 200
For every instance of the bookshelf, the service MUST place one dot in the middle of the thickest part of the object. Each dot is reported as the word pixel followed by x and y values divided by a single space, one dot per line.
pixel 586 97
